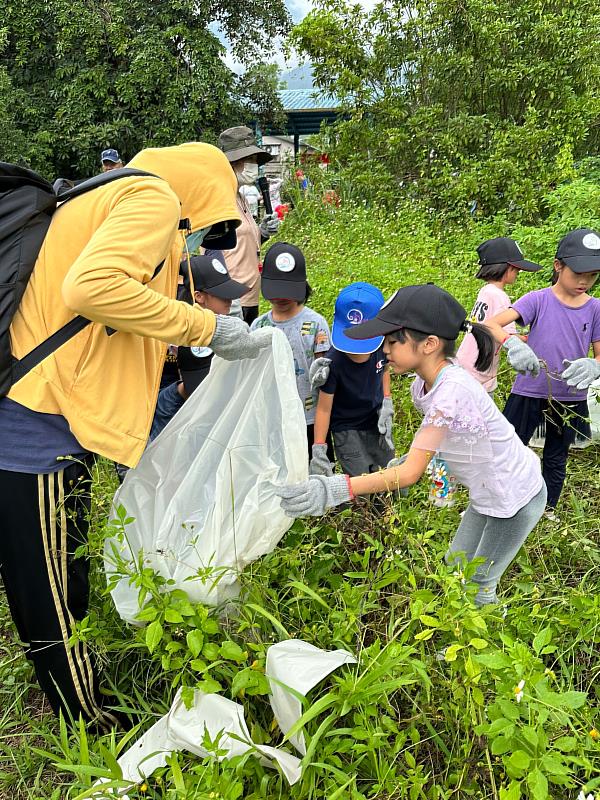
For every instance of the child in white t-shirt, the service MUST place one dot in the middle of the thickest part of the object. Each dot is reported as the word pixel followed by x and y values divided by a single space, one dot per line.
pixel 461 427
pixel 499 263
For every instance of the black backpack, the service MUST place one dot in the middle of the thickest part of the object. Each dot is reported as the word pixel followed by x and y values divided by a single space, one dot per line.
pixel 27 202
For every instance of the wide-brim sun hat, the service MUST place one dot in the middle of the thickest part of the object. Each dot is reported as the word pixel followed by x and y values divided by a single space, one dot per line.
pixel 239 143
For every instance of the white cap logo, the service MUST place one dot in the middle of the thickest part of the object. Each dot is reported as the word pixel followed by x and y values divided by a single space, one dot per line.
pixel 218 267
pixel 591 241
pixel 201 352
pixel 354 316
pixel 285 262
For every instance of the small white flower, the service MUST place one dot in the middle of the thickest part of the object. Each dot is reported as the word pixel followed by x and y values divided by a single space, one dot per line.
pixel 518 690
pixel 582 796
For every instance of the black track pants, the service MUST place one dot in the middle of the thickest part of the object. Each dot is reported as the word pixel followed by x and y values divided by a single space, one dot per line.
pixel 43 519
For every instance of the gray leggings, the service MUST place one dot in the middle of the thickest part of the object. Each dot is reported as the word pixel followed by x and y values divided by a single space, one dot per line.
pixel 496 539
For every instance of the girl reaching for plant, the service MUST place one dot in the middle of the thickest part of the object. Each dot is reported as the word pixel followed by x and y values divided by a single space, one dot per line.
pixel 564 322
pixel 461 427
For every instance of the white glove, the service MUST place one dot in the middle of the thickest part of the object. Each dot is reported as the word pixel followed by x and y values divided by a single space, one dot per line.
pixel 385 420
pixel 318 372
pixel 320 463
pixel 269 226
pixel 581 373
pixel 521 357
pixel 313 497
pixel 233 341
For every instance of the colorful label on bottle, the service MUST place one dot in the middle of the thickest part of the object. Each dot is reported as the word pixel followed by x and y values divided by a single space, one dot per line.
pixel 443 485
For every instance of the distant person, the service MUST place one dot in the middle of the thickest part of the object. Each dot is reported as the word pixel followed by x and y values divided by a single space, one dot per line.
pixel 500 261
pixel 245 157
pixel 110 159
pixel 285 286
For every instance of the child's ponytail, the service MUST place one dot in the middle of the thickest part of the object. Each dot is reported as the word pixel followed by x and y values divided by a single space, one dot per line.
pixel 486 344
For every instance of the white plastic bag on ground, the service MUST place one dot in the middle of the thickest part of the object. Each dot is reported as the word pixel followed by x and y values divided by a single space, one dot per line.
pixel 202 497
pixel 298 665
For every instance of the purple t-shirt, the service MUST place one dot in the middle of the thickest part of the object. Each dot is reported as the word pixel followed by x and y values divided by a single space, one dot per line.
pixel 556 332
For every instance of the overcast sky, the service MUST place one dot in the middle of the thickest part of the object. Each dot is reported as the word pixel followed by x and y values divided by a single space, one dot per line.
pixel 298 10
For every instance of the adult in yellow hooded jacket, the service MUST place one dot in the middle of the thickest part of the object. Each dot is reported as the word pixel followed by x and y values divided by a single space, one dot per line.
pixel 97 393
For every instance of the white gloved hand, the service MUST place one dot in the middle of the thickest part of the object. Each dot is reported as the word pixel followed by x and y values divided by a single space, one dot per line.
pixel 313 497
pixel 385 420
pixel 269 226
pixel 581 373
pixel 521 357
pixel 233 341
pixel 319 372
pixel 320 463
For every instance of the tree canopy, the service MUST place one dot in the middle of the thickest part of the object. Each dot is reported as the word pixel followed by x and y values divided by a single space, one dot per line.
pixel 469 100
pixel 76 76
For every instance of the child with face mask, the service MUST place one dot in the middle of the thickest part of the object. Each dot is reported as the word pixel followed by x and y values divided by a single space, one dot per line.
pixel 240 147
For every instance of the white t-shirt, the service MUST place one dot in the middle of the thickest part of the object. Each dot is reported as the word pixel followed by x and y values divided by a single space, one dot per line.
pixel 491 300
pixel 464 427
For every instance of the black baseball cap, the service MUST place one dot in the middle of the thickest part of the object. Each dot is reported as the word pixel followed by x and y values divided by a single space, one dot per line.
pixel 194 365
pixel 425 308
pixel 580 250
pixel 210 275
pixel 503 250
pixel 284 273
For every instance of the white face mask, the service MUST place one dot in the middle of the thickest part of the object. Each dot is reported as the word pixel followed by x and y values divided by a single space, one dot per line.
pixel 248 175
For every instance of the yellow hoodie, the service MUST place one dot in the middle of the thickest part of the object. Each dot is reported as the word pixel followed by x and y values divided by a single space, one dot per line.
pixel 97 260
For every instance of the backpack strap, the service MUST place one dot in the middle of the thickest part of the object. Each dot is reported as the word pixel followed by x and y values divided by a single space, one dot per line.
pixel 24 365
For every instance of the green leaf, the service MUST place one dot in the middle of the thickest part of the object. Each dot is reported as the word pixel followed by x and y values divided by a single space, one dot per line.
pixel 233 652
pixel 541 639
pixel 478 644
pixel 147 614
pixel 452 652
pixel 209 686
pixel 571 699
pixel 512 793
pixel 494 660
pixel 566 744
pixel 519 760
pixel 198 665
pixel 538 784
pixel 251 681
pixel 432 622
pixel 154 634
pixel 172 615
pixel 423 636
pixel 501 745
pixel 210 651
pixel 195 641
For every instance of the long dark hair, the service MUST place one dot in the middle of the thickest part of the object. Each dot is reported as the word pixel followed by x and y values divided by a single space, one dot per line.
pixel 486 344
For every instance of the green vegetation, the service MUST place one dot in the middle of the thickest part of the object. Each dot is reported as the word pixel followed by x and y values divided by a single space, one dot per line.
pixel 402 723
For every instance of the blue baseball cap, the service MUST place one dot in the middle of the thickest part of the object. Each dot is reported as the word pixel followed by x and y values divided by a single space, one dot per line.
pixel 110 155
pixel 355 304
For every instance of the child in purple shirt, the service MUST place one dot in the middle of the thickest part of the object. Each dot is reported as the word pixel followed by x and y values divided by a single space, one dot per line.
pixel 564 322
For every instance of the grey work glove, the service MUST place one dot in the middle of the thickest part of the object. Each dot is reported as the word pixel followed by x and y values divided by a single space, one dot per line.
pixel 395 462
pixel 521 357
pixel 313 497
pixel 385 420
pixel 319 463
pixel 581 373
pixel 233 341
pixel 269 226
pixel 318 372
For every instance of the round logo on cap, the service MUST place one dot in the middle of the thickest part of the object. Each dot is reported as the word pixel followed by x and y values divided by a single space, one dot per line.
pixel 591 241
pixel 285 262
pixel 218 267
pixel 354 316
pixel 202 352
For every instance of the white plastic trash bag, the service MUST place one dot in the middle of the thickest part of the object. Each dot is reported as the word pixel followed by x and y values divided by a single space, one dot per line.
pixel 202 498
